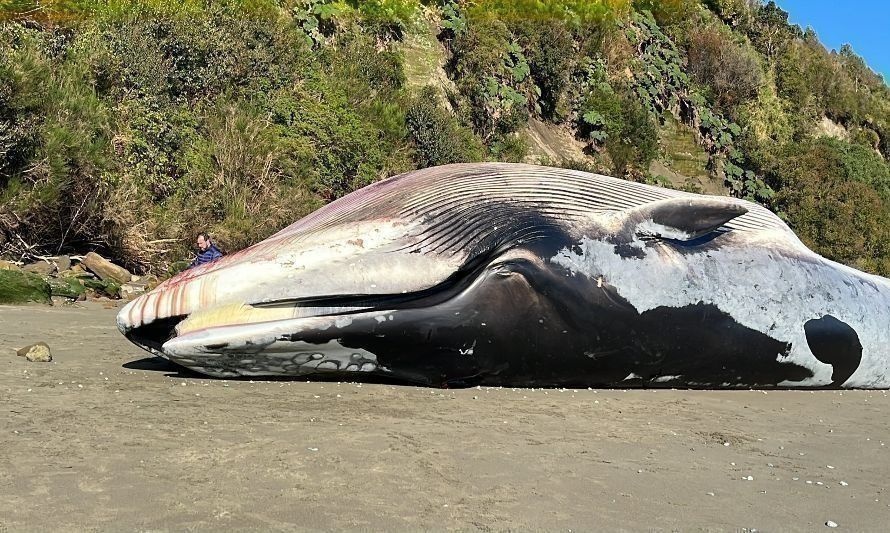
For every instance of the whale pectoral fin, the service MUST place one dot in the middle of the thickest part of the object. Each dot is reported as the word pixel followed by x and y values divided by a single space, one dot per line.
pixel 683 218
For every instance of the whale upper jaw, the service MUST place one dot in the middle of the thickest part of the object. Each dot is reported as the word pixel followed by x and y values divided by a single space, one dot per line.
pixel 258 330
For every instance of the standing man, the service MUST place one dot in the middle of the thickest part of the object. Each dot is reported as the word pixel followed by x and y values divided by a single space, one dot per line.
pixel 208 251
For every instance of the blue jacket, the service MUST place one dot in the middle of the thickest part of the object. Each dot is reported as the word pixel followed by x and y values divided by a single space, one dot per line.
pixel 212 253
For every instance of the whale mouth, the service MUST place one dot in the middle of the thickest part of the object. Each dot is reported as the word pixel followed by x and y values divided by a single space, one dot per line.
pixel 227 317
pixel 152 336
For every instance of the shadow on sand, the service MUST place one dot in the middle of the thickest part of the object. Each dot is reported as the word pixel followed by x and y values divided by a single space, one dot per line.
pixel 159 364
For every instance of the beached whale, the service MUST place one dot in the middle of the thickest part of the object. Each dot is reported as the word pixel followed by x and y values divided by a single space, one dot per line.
pixel 521 275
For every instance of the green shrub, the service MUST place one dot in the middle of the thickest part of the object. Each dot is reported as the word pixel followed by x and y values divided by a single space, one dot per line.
pixel 365 70
pixel 26 71
pixel 826 189
pixel 390 18
pixel 438 137
pixel 150 143
pixel 493 76
pixel 618 122
pixel 575 12
pixel 635 143
pixel 730 71
pixel 508 147
pixel 549 47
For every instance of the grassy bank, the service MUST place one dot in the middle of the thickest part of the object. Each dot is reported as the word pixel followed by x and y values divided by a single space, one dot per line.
pixel 126 127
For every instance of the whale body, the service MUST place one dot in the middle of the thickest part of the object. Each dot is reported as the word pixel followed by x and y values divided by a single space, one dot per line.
pixel 520 275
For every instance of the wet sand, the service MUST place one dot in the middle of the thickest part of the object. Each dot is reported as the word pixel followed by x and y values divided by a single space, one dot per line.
pixel 106 437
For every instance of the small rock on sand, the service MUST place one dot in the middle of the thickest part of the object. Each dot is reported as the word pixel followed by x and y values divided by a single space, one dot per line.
pixel 36 353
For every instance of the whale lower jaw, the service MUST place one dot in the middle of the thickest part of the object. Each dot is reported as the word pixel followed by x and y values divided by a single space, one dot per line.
pixel 299 361
pixel 268 349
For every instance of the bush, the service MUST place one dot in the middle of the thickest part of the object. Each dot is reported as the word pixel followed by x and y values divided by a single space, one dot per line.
pixel 492 76
pixel 388 18
pixel 617 121
pixel 635 144
pixel 549 47
pixel 438 137
pixel 508 147
pixel 26 71
pixel 826 190
pixel 731 72
pixel 370 67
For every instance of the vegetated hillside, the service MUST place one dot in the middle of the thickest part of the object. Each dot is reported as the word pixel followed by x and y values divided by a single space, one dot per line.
pixel 128 126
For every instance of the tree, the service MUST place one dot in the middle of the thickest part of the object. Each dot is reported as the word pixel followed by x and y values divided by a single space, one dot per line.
pixel 769 29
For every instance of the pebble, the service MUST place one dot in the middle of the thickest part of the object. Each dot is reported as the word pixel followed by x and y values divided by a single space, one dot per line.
pixel 831 524
pixel 843 483
pixel 709 493
pixel 749 478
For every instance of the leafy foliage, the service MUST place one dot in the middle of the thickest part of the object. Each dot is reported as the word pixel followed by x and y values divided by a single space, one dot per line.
pixel 230 123
pixel 827 193
pixel 240 116
pixel 437 135
pixel 662 84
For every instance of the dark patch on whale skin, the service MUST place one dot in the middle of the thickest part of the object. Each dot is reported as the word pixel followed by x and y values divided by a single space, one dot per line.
pixel 708 347
pixel 626 250
pixel 834 343
pixel 218 346
pixel 543 326
pixel 696 244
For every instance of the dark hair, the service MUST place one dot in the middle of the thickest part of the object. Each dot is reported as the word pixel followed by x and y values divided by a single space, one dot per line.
pixel 203 234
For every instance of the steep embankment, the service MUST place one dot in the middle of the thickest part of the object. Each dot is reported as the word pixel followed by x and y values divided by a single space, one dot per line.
pixel 239 120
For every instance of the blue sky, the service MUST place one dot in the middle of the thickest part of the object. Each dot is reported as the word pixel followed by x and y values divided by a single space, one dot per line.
pixel 865 24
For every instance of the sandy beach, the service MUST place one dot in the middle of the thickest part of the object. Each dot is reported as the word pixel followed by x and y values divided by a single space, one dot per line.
pixel 106 437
